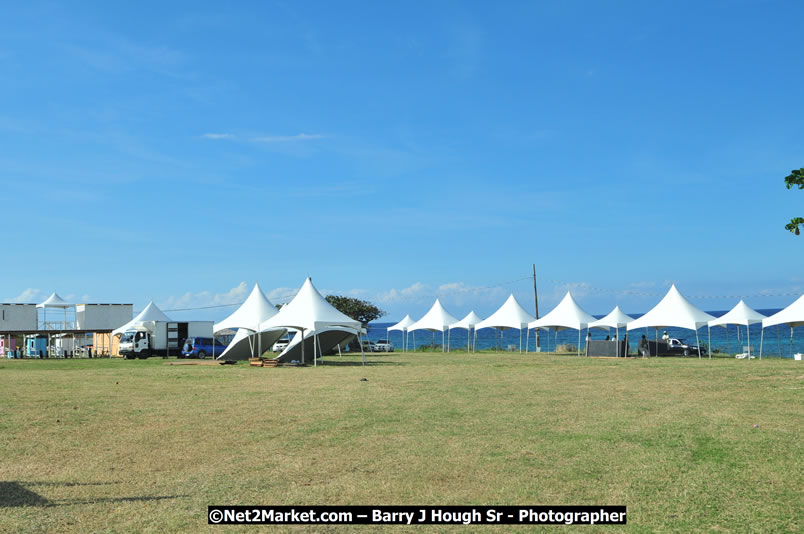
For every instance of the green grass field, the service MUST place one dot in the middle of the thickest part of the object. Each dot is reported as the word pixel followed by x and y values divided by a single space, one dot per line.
pixel 139 446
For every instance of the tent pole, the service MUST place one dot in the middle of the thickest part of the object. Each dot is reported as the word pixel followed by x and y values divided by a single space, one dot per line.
pixel 449 334
pixel 698 342
pixel 709 330
pixel 362 352
pixel 315 360
pixel 779 339
pixel 302 344
pixel 761 339
pixel 520 340
pixel 791 341
pixel 579 340
pixel 748 332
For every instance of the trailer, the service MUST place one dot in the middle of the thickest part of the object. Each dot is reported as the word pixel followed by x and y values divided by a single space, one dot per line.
pixel 160 338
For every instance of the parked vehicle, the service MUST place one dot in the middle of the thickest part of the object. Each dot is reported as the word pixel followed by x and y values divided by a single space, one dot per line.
pixel 383 345
pixel 368 346
pixel 161 338
pixel 201 347
pixel 281 345
pixel 679 346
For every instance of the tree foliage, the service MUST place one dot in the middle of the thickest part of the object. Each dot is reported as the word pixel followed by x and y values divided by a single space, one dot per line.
pixel 796 178
pixel 359 310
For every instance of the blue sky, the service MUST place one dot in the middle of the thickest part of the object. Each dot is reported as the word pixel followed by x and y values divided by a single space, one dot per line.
pixel 398 151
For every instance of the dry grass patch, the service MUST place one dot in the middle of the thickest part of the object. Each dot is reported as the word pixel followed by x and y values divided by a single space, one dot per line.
pixel 124 446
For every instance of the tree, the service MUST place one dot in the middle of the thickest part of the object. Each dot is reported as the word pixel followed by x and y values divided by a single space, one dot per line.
pixel 795 178
pixel 359 310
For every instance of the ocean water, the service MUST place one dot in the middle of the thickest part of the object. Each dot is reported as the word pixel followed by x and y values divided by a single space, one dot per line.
pixel 731 340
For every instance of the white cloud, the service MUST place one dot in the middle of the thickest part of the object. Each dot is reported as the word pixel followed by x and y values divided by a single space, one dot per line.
pixel 202 299
pixel 287 138
pixel 416 290
pixel 28 295
pixel 218 136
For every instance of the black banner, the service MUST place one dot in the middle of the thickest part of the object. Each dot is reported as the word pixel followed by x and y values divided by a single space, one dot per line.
pixel 416 515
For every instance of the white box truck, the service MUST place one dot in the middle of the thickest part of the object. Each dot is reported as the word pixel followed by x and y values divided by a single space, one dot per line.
pixel 160 338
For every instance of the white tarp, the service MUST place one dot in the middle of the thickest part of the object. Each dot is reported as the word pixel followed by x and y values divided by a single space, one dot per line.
pixel 256 309
pixel 741 314
pixel 567 315
pixel 615 319
pixel 510 315
pixel 150 314
pixel 673 310
pixel 792 316
pixel 309 311
pixel 403 324
pixel 437 319
pixel 55 301
pixel 467 322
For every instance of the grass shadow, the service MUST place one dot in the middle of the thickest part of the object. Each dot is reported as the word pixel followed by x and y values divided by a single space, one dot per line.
pixel 354 363
pixel 16 494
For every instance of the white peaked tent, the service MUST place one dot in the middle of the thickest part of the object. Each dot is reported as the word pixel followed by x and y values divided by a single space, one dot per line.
pixel 567 315
pixel 151 314
pixel 615 319
pixel 310 312
pixel 469 322
pixel 402 326
pixel 247 318
pixel 792 316
pixel 673 310
pixel 437 319
pixel 510 315
pixel 741 314
pixel 54 301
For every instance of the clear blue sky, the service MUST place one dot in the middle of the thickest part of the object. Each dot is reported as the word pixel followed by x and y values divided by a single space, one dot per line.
pixel 181 151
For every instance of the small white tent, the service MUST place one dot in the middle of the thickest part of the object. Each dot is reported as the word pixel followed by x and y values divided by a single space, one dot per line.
pixel 402 326
pixel 567 315
pixel 469 322
pixel 310 312
pixel 792 316
pixel 247 318
pixel 150 314
pixel 510 315
pixel 615 319
pixel 54 301
pixel 741 314
pixel 673 310
pixel 438 319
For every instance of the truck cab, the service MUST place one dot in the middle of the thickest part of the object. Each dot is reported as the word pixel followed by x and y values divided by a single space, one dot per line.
pixel 135 344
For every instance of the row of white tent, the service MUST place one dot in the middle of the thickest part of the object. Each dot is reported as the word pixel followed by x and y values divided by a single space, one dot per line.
pixel 674 310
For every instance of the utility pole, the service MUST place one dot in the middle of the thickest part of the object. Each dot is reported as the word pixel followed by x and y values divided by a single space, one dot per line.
pixel 536 300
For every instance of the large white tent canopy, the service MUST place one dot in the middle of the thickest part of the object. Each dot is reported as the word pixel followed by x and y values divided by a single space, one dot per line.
pixel 615 319
pixel 792 316
pixel 309 311
pixel 510 315
pixel 437 319
pixel 468 323
pixel 673 310
pixel 567 315
pixel 246 319
pixel 256 309
pixel 150 314
pixel 402 326
pixel 741 314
